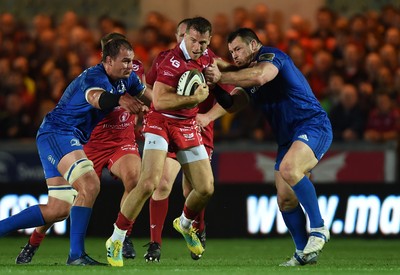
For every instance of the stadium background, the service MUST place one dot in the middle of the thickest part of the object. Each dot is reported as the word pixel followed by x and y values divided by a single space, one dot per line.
pixel 358 185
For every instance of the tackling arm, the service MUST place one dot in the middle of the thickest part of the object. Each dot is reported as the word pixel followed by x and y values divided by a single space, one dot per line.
pixel 257 75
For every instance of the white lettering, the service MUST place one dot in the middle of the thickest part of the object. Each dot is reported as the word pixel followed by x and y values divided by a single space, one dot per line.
pixel 359 208
pixel 389 222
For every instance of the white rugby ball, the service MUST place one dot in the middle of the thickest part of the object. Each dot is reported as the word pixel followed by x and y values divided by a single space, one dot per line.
pixel 189 81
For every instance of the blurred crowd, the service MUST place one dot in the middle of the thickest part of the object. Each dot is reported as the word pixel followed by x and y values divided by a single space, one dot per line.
pixel 352 64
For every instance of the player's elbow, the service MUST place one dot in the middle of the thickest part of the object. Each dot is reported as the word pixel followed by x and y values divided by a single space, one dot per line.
pixel 158 105
pixel 260 79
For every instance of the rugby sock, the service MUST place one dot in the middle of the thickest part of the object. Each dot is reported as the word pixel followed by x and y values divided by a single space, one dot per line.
pixel 122 222
pixel 307 196
pixel 187 217
pixel 295 221
pixel 129 231
pixel 27 218
pixel 36 238
pixel 158 213
pixel 79 220
pixel 198 223
pixel 118 234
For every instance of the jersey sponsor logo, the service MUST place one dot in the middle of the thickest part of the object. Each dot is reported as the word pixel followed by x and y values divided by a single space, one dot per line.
pixel 124 117
pixel 75 142
pixel 135 67
pixel 266 57
pixel 185 129
pixel 303 137
pixel 175 63
pixel 254 89
pixel 189 136
pixel 155 127
pixel 128 147
pixel 168 73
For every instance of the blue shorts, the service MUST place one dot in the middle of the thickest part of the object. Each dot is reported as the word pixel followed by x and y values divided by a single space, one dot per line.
pixel 52 147
pixel 318 138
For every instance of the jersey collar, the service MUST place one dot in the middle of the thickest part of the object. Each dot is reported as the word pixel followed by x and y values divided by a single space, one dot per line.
pixel 182 46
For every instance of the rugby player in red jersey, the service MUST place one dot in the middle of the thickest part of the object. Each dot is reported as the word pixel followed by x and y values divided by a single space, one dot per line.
pixel 171 125
pixel 208 112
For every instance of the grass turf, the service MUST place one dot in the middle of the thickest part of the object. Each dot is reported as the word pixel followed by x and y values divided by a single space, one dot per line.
pixel 223 256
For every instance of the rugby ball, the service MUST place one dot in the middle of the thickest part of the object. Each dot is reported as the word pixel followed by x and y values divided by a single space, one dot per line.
pixel 189 81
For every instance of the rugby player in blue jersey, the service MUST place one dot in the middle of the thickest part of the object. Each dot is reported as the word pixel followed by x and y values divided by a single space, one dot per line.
pixel 70 175
pixel 302 128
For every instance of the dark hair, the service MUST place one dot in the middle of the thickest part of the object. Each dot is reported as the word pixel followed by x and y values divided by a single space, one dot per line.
pixel 111 36
pixel 184 21
pixel 112 47
pixel 199 24
pixel 245 33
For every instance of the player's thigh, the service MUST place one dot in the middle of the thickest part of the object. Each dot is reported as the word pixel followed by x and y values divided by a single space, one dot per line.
pixel 171 170
pixel 200 175
pixel 127 168
pixel 153 162
pixel 299 157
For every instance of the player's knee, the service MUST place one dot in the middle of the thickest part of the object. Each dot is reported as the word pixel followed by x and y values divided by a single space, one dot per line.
pixel 287 201
pixel 89 190
pixel 163 189
pixel 207 190
pixel 288 172
pixel 130 180
pixel 147 187
pixel 78 169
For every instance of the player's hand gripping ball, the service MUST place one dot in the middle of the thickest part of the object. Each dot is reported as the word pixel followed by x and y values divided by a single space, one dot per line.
pixel 189 81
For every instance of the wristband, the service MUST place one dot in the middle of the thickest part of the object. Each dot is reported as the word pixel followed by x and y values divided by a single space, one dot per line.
pixel 223 97
pixel 108 101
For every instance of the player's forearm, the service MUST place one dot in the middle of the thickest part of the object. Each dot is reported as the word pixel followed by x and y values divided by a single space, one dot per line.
pixel 215 112
pixel 173 102
pixel 249 77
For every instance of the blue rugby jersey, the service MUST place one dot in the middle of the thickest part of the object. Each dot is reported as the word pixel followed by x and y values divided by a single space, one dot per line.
pixel 73 114
pixel 287 101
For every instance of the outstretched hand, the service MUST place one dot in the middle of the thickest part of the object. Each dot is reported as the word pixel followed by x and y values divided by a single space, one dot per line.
pixel 131 104
pixel 212 74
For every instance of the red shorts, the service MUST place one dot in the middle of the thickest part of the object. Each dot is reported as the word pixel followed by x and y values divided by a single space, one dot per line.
pixel 108 156
pixel 180 134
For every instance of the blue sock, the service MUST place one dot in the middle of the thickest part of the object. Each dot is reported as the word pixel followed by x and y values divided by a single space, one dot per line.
pixel 79 220
pixel 27 218
pixel 306 195
pixel 295 221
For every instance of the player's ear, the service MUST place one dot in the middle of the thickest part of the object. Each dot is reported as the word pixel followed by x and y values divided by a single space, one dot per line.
pixel 253 45
pixel 108 60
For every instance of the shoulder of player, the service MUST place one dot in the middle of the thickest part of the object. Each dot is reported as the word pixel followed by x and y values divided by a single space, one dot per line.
pixel 270 53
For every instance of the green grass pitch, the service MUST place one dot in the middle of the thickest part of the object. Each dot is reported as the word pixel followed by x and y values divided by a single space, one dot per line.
pixel 222 256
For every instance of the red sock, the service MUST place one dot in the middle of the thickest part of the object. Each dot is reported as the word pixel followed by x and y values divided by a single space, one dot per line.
pixel 122 222
pixel 36 238
pixel 128 233
pixel 198 223
pixel 158 213
pixel 189 214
